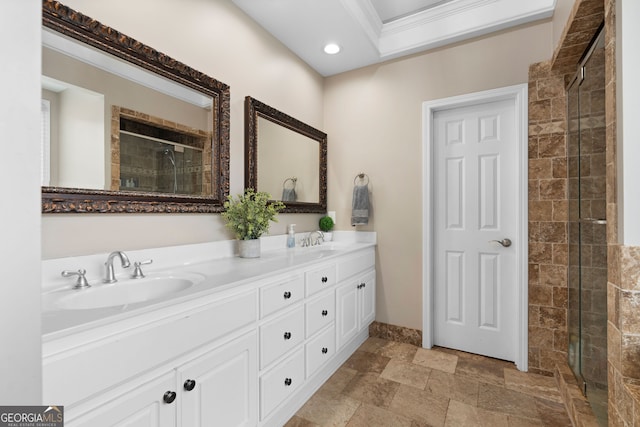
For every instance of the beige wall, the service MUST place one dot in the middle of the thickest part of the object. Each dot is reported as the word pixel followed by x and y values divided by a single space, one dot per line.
pixel 373 119
pixel 216 38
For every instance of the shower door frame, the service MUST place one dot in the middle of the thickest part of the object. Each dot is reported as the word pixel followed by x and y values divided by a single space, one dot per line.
pixel 578 80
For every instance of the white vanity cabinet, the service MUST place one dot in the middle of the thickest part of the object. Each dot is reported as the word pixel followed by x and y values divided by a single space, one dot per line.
pixel 296 341
pixel 143 405
pixel 249 354
pixel 355 297
pixel 137 374
pixel 217 388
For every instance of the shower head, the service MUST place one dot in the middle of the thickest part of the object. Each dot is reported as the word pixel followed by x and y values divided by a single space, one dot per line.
pixel 172 158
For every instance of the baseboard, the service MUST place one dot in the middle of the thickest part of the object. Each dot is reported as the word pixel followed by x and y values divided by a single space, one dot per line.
pixel 396 333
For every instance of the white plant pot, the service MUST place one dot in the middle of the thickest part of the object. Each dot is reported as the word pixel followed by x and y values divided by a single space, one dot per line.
pixel 249 248
pixel 328 236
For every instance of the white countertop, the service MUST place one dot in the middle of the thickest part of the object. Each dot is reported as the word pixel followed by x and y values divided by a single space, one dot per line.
pixel 221 271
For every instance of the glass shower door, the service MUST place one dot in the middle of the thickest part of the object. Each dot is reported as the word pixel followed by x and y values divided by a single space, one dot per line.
pixel 587 316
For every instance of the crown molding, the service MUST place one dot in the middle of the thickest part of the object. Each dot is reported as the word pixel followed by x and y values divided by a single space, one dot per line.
pixel 455 21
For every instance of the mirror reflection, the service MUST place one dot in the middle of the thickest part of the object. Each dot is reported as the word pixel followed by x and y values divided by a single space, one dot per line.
pixel 125 127
pixel 87 149
pixel 285 158
pixel 288 166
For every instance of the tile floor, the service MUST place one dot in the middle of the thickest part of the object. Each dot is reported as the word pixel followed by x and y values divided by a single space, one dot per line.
pixel 391 384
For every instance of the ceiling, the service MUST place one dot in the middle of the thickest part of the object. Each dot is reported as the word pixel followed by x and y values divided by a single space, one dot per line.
pixel 372 31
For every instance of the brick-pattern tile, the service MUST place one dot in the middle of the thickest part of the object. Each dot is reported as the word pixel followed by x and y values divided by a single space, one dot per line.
pixel 438 387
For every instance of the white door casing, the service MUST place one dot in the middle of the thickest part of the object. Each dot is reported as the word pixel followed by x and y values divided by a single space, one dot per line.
pixel 475 190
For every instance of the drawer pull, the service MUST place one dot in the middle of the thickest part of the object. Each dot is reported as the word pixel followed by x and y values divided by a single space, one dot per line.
pixel 325 350
pixel 361 285
pixel 287 335
pixel 287 382
pixel 324 279
pixel 287 295
pixel 189 385
pixel 324 313
pixel 169 396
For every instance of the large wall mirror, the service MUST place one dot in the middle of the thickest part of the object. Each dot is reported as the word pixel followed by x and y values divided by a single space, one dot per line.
pixel 285 158
pixel 125 127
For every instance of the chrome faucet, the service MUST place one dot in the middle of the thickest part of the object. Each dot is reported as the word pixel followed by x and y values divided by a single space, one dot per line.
pixel 110 276
pixel 307 241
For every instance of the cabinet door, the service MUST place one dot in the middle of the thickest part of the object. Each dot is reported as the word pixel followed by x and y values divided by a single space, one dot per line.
pixel 367 292
pixel 347 312
pixel 144 406
pixel 223 386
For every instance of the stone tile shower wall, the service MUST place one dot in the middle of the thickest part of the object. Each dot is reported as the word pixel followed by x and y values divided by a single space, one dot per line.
pixel 548 248
pixel 623 269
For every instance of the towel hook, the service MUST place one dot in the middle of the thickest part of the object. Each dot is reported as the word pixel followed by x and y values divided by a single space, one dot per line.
pixel 361 176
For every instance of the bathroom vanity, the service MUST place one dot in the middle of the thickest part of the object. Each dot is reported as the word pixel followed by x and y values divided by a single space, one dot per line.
pixel 235 342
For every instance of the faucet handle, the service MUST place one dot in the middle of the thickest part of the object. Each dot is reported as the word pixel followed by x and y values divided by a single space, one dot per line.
pixel 137 272
pixel 82 282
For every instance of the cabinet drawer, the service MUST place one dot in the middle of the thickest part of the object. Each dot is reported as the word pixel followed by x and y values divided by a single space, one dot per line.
pixel 320 350
pixel 281 382
pixel 356 264
pixel 281 335
pixel 322 278
pixel 320 312
pixel 280 295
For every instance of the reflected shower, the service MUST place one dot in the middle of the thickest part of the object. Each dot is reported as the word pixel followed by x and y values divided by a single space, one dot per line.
pixel 172 158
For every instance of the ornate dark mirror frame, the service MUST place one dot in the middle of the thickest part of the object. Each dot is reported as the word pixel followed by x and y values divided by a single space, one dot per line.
pixel 73 24
pixel 255 109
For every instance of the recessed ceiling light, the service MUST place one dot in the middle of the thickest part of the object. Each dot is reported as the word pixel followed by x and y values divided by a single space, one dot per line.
pixel 331 48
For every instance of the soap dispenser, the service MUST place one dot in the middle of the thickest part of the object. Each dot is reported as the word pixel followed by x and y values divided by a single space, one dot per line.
pixel 291 236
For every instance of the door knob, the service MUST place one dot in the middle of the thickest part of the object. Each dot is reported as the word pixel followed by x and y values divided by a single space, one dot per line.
pixel 504 242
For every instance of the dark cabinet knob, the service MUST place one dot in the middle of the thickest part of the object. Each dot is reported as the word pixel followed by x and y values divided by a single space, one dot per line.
pixel 287 335
pixel 169 396
pixel 287 382
pixel 324 279
pixel 324 313
pixel 325 350
pixel 189 385
pixel 287 295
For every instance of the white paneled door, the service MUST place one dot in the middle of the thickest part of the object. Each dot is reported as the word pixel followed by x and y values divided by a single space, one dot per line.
pixel 475 184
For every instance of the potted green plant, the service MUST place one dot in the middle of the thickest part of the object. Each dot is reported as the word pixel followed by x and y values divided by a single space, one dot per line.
pixel 326 225
pixel 248 217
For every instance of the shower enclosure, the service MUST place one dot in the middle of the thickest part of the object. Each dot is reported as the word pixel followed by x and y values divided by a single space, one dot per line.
pixel 587 321
pixel 155 165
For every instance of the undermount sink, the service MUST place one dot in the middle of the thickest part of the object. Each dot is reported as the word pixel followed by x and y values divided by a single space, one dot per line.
pixel 315 252
pixel 123 292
